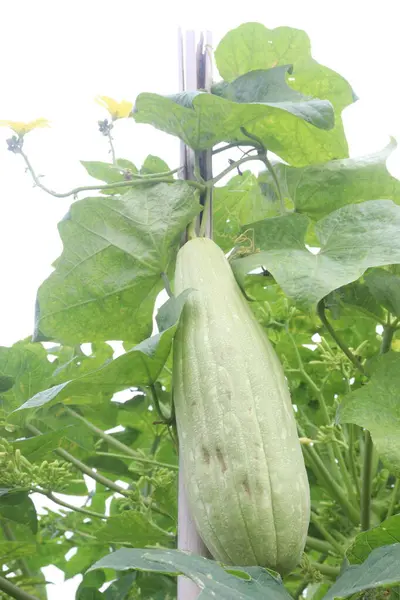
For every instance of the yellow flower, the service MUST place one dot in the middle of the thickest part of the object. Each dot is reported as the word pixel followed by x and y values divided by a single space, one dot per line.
pixel 22 128
pixel 118 110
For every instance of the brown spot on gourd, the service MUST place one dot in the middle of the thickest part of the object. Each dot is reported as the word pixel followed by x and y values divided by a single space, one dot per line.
pixel 246 486
pixel 206 455
pixel 221 460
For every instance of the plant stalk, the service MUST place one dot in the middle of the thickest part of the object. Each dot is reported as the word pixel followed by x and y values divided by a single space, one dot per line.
pixel 13 591
pixel 323 531
pixel 319 545
pixel 339 342
pixel 83 511
pixel 328 570
pixel 365 508
pixel 139 459
pixel 160 178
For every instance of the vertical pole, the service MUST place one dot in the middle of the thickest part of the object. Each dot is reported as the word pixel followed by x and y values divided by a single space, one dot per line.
pixel 194 73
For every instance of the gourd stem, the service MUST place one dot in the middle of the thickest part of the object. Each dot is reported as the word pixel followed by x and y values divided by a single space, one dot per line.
pixel 319 545
pixel 231 167
pixel 330 484
pixel 351 460
pixel 323 531
pixel 206 212
pixel 231 145
pixel 339 342
pixel 365 508
pixel 334 450
pixel 328 570
pixel 264 158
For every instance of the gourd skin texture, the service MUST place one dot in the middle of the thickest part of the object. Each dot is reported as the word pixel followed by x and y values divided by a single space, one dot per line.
pixel 244 471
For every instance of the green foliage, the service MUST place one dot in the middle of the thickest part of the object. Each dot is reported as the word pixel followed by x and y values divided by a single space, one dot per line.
pixel 321 228
pixel 351 239
pixel 376 407
pixel 318 189
pixel 385 534
pixel 118 247
pixel 215 582
pixel 380 569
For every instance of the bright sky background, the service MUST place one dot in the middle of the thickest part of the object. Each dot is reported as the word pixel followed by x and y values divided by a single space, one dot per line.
pixel 57 57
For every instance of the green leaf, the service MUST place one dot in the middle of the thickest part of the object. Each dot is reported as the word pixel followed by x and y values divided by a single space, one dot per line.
pixel 213 580
pixel 169 313
pixel 357 295
pixel 385 534
pixel 252 46
pixel 238 202
pixel 120 588
pixel 26 365
pixel 85 556
pixel 38 447
pixel 382 568
pixel 270 87
pixel 138 367
pixel 156 587
pixel 108 276
pixel 131 527
pixel 352 239
pixel 19 508
pixel 13 550
pixel 104 171
pixel 376 407
pixel 318 190
pixel 154 165
pixel 202 120
pixel 385 288
pixel 6 383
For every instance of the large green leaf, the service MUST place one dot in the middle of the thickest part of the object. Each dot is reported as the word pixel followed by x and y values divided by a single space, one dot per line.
pixel 385 288
pixel 137 367
pixel 357 296
pixel 252 582
pixel 385 534
pixel 317 190
pixel 131 527
pixel 27 368
pixel 351 239
pixel 269 87
pixel 382 568
pixel 252 46
pixel 238 202
pixel 108 276
pixel 376 407
pixel 19 508
pixel 202 120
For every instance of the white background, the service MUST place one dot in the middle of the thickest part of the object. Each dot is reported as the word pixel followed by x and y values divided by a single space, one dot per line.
pixel 56 57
